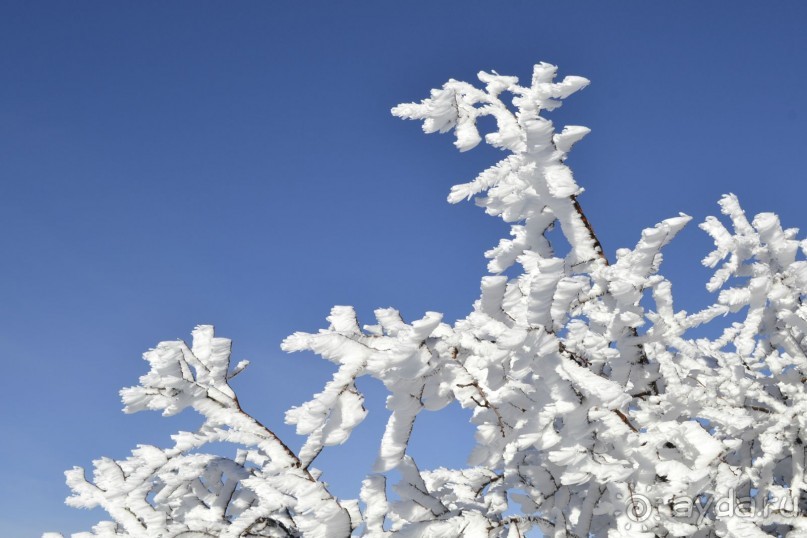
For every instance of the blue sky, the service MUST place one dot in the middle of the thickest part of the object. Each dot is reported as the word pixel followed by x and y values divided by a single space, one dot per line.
pixel 169 164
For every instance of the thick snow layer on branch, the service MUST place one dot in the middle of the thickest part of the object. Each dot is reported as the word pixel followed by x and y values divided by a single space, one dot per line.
pixel 587 391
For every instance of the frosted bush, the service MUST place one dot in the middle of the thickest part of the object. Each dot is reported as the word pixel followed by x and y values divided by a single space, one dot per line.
pixel 595 415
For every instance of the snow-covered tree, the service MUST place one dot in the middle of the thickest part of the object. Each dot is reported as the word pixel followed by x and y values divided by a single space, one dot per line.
pixel 596 412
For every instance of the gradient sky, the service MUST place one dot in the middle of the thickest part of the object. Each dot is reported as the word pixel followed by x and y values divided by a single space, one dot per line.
pixel 166 164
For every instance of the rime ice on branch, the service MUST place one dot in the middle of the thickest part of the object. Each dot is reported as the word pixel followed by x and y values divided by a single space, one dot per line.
pixel 586 403
pixel 263 491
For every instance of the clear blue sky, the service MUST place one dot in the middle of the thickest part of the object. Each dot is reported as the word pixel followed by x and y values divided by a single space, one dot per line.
pixel 165 164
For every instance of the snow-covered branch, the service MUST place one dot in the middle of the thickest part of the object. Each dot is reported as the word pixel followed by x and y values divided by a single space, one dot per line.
pixel 588 404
